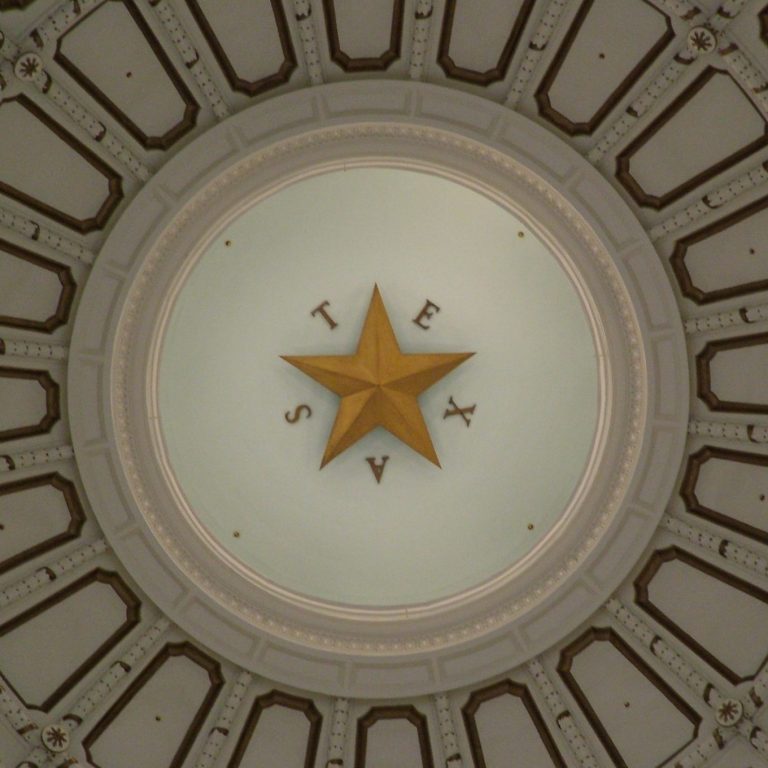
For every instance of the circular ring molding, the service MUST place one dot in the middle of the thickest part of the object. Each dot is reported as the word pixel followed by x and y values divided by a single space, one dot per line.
pixel 349 650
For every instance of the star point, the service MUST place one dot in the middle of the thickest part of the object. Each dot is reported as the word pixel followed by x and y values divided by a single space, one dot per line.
pixel 378 385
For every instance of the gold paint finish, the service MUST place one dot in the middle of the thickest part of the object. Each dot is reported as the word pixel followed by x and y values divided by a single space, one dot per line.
pixel 378 386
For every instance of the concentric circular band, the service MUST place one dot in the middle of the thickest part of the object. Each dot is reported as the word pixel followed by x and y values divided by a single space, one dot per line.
pixel 469 636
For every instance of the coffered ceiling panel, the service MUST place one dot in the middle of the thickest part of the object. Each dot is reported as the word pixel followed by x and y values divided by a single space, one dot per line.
pixel 750 32
pixel 690 617
pixel 29 133
pixel 36 292
pixel 505 727
pixel 140 88
pixel 12 747
pixel 733 374
pixel 281 731
pixel 163 710
pixel 736 240
pixel 29 402
pixel 588 54
pixel 99 600
pixel 737 753
pixel 640 720
pixel 358 47
pixel 664 162
pixel 18 15
pixel 256 53
pixel 729 488
pixel 498 24
pixel 37 514
pixel 393 737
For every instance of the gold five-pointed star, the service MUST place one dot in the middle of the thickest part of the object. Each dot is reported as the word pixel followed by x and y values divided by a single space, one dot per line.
pixel 378 386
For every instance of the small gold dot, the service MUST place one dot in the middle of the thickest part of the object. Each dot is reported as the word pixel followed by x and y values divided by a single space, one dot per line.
pixel 530 526
pixel 236 534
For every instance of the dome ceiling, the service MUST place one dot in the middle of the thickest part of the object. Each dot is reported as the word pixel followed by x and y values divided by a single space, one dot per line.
pixel 666 99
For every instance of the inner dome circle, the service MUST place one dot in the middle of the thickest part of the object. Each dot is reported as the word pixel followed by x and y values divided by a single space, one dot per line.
pixel 252 479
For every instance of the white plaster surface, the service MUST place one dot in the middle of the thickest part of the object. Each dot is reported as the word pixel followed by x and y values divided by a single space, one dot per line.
pixel 424 532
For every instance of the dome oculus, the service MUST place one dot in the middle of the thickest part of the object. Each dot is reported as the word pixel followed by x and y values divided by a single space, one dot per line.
pixel 243 433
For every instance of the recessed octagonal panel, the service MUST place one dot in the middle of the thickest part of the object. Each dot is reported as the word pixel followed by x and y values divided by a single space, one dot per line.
pixel 422 532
